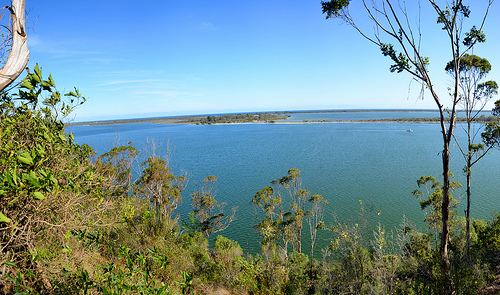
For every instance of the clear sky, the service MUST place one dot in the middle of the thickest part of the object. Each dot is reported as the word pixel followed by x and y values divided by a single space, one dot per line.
pixel 162 58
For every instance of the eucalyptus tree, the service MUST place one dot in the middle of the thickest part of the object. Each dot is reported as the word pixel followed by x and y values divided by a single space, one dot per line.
pixel 474 94
pixel 117 164
pixel 496 109
pixel 392 20
pixel 298 198
pixel 491 135
pixel 274 227
pixel 160 186
pixel 282 223
pixel 315 218
pixel 208 215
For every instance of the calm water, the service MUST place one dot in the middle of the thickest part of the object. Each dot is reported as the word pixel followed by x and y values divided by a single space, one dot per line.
pixel 377 163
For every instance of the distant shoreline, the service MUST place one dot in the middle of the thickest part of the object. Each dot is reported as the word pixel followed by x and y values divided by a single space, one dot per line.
pixel 192 120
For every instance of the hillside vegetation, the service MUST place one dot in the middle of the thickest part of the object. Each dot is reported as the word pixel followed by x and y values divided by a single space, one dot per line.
pixel 72 222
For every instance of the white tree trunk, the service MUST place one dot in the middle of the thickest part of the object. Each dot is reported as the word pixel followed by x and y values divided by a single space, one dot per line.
pixel 19 54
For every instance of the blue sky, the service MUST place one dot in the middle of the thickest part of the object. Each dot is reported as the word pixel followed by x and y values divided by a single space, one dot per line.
pixel 163 58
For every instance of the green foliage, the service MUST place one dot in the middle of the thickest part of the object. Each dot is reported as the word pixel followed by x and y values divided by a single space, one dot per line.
pixel 448 16
pixel 432 204
pixel 282 224
pixel 489 234
pixel 458 235
pixel 298 274
pixel 470 63
pixel 333 8
pixel 135 275
pixel 496 109
pixel 237 118
pixel 160 186
pixel 118 166
pixel 36 92
pixel 487 89
pixel 474 36
pixel 229 262
pixel 491 134
pixel 186 283
pixel 46 182
pixel 208 215
pixel 315 217
pixel 401 62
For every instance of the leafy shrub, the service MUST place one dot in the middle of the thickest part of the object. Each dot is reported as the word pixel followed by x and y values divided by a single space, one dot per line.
pixel 47 186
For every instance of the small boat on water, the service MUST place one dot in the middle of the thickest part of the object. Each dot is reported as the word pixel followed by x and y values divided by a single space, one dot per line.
pixel 409 130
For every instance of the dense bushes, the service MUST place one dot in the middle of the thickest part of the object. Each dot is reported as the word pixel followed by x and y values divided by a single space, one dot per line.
pixel 47 187
pixel 72 223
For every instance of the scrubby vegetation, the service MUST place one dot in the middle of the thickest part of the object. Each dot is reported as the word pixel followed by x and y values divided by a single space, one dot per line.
pixel 238 118
pixel 74 223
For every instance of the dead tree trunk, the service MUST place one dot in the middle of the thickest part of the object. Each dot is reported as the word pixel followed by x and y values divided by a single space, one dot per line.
pixel 19 53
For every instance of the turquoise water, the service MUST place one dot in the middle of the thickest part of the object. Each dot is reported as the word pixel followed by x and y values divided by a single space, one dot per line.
pixel 377 163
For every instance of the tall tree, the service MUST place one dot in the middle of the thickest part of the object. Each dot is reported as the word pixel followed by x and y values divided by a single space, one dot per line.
pixel 391 20
pixel 282 222
pixel 491 134
pixel 315 219
pixel 275 227
pixel 474 95
pixel 117 163
pixel 160 186
pixel 298 198
pixel 208 216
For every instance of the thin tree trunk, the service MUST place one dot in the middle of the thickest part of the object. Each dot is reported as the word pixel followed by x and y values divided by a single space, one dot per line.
pixel 299 238
pixel 445 209
pixel 445 205
pixel 467 215
pixel 469 175
pixel 443 250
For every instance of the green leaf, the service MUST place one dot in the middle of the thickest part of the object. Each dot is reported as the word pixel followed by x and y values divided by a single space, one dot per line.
pixel 51 81
pixel 3 218
pixel 42 172
pixel 10 180
pixel 39 195
pixel 8 263
pixel 25 158
pixel 47 137
pixel 37 79
pixel 53 179
pixel 33 180
pixel 27 84
pixel 38 72
pixel 14 176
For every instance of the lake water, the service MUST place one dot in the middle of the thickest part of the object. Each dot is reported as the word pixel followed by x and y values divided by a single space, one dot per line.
pixel 377 163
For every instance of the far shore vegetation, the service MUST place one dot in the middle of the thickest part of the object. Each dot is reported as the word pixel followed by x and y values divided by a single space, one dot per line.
pixel 275 117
